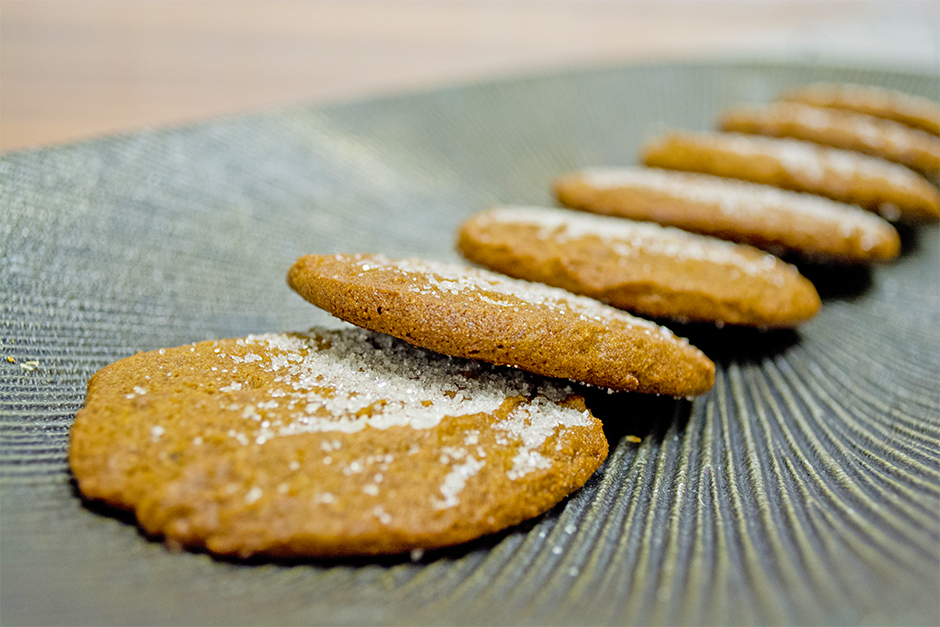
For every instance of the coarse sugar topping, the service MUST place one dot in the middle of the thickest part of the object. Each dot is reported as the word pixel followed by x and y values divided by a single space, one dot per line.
pixel 628 238
pixel 435 278
pixel 338 383
pixel 345 381
pixel 873 132
pixel 533 427
pixel 878 101
pixel 812 161
pixel 737 199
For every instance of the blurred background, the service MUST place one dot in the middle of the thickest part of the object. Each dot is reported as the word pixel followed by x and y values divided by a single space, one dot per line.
pixel 76 70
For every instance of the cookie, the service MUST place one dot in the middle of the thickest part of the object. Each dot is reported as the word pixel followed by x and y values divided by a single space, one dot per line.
pixel 777 220
pixel 889 104
pixel 642 267
pixel 914 148
pixel 327 443
pixel 846 176
pixel 465 312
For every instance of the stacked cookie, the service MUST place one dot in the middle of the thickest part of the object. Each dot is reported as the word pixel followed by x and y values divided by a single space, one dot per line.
pixel 352 442
pixel 642 267
pixel 807 176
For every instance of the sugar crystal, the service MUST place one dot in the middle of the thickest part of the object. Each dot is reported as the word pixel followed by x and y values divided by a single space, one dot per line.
pixel 333 387
pixel 455 481
pixel 253 495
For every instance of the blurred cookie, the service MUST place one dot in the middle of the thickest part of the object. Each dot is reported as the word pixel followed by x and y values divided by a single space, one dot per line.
pixel 643 267
pixel 327 443
pixel 874 184
pixel 883 103
pixel 465 312
pixel 916 149
pixel 760 215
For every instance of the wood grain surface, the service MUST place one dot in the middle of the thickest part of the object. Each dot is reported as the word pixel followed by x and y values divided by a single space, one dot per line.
pixel 73 70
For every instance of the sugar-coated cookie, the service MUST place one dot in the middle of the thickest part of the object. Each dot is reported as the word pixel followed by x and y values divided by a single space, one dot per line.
pixel 890 104
pixel 639 266
pixel 761 215
pixel 846 176
pixel 914 148
pixel 465 312
pixel 327 443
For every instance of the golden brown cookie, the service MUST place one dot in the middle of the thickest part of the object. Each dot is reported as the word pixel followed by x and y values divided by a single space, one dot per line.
pixel 883 103
pixel 914 148
pixel 465 312
pixel 642 267
pixel 327 443
pixel 763 216
pixel 846 176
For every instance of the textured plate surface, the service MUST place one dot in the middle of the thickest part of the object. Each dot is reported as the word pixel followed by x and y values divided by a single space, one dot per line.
pixel 804 488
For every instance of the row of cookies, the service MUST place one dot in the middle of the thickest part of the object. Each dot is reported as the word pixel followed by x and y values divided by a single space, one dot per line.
pixel 351 442
pixel 525 241
pixel 659 271
pixel 781 195
pixel 811 160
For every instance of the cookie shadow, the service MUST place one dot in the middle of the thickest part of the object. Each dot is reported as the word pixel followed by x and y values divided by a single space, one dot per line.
pixel 847 281
pixel 736 344
pixel 910 235
pixel 835 281
pixel 417 559
pixel 636 416
pixel 101 508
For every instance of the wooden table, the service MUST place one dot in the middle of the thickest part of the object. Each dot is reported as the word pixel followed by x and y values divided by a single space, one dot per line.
pixel 73 70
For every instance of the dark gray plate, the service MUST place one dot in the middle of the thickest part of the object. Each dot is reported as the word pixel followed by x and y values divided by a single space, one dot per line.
pixel 803 489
